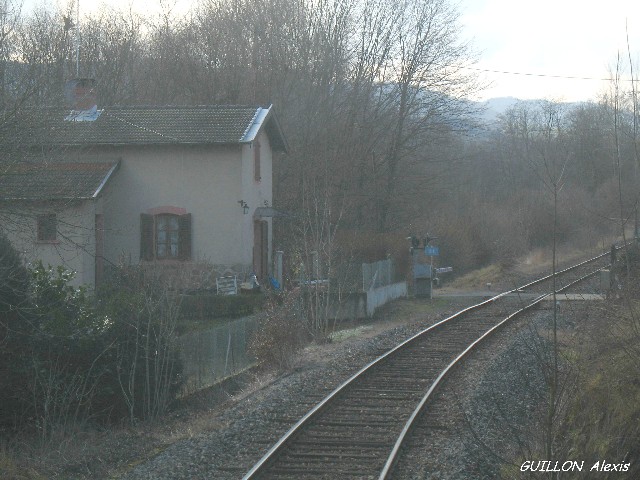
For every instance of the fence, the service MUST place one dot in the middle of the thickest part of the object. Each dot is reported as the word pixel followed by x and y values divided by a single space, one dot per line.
pixel 212 355
pixel 377 274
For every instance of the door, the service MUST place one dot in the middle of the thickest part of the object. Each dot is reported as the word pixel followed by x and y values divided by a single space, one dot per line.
pixel 99 238
pixel 261 249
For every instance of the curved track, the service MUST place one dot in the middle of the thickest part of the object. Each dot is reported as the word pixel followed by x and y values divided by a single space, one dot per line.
pixel 358 430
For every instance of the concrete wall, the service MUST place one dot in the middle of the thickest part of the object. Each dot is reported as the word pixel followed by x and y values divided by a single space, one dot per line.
pixel 377 297
pixel 351 306
pixel 359 305
pixel 203 181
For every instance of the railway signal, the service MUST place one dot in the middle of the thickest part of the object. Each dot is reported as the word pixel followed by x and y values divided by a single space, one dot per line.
pixel 423 275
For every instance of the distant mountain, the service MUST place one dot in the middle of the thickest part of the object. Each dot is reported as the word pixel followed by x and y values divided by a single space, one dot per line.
pixel 497 106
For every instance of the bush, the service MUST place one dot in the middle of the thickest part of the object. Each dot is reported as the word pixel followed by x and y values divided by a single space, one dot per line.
pixel 626 271
pixel 64 359
pixel 604 415
pixel 281 331
pixel 14 280
pixel 14 328
pixel 52 342
pixel 145 366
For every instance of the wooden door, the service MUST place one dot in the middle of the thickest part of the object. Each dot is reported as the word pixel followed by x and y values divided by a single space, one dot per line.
pixel 261 249
pixel 99 239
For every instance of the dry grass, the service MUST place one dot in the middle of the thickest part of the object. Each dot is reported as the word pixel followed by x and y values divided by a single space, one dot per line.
pixel 410 310
pixel 536 262
pixel 11 469
pixel 478 278
pixel 94 453
pixel 541 259
pixel 604 413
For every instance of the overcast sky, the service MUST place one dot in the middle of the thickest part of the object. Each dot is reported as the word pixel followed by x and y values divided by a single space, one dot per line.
pixel 534 40
pixel 565 38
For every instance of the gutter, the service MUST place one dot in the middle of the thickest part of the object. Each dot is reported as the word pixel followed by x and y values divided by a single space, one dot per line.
pixel 105 180
pixel 254 128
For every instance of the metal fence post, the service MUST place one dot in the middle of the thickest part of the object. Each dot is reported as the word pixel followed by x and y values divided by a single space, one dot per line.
pixel 278 268
pixel 226 360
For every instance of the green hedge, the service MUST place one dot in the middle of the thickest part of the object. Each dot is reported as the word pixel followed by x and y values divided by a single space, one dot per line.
pixel 202 307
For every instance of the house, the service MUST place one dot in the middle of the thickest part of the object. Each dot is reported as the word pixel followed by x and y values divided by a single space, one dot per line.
pixel 183 188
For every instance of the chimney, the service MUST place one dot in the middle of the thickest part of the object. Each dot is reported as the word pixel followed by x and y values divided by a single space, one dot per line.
pixel 81 94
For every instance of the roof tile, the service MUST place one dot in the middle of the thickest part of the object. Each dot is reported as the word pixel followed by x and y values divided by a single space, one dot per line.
pixel 150 125
pixel 53 181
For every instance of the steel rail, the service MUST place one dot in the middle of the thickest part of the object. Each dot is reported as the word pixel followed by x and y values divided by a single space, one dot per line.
pixel 318 408
pixel 393 456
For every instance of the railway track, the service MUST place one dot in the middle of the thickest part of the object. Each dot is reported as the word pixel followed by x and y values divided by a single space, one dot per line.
pixel 358 430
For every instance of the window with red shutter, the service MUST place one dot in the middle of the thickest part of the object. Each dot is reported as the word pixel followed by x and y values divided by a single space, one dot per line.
pixel 184 237
pixel 165 236
pixel 146 236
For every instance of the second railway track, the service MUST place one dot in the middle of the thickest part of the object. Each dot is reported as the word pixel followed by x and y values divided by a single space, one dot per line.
pixel 358 430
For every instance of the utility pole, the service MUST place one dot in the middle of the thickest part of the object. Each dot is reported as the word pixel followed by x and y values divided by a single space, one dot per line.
pixel 77 38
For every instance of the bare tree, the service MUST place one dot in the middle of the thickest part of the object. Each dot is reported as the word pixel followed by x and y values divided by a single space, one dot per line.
pixel 427 82
pixel 548 159
pixel 147 355
pixel 112 46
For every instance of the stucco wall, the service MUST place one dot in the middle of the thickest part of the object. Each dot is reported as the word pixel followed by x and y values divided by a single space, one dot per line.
pixel 207 181
pixel 256 194
pixel 75 244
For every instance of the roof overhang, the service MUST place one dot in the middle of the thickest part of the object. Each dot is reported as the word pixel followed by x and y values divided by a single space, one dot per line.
pixel 266 118
pixel 106 179
pixel 97 185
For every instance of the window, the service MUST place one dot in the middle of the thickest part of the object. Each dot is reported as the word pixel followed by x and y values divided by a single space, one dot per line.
pixel 47 227
pixel 167 232
pixel 165 236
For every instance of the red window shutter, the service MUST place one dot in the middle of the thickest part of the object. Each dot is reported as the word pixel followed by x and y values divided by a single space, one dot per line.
pixel 264 235
pixel 256 161
pixel 146 237
pixel 184 237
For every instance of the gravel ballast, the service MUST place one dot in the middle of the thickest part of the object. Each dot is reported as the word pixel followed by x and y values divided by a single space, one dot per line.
pixel 488 416
pixel 498 392
pixel 249 428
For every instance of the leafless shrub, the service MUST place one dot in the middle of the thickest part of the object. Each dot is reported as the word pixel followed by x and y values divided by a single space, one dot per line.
pixel 282 331
pixel 144 309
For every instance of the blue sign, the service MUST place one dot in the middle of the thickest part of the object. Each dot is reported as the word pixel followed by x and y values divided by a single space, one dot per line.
pixel 432 251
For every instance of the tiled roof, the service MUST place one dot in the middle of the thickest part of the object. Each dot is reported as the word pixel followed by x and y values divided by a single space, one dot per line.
pixel 54 181
pixel 156 125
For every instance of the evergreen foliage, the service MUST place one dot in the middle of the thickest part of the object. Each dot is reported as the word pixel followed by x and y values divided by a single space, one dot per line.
pixel 65 359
